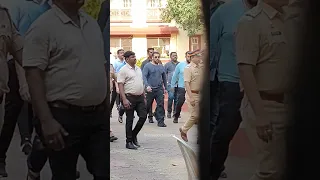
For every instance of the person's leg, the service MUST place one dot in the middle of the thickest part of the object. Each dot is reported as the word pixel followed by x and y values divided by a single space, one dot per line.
pixel 170 102
pixel 150 98
pixel 129 124
pixel 95 150
pixel 12 109
pixel 180 101
pixel 194 116
pixel 25 128
pixel 1 111
pixel 228 122
pixel 113 99
pixel 160 113
pixel 175 99
pixel 141 110
pixel 121 111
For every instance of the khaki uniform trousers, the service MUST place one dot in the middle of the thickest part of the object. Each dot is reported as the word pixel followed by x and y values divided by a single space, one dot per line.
pixel 194 112
pixel 270 156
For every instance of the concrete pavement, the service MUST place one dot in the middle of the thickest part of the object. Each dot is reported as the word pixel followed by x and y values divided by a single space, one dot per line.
pixel 159 158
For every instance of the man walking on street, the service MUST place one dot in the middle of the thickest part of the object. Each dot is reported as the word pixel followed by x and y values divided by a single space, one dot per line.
pixel 155 82
pixel 193 82
pixel 172 93
pixel 71 120
pixel 178 82
pixel 131 89
pixel 10 42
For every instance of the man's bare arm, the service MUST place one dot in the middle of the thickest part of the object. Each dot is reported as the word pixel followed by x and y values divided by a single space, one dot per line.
pixel 21 76
pixel 251 89
pixel 35 79
pixel 121 91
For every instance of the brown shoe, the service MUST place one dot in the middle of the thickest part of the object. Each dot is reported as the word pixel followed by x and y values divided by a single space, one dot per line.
pixel 183 135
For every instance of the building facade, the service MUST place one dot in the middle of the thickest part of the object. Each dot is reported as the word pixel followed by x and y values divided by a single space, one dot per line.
pixel 136 25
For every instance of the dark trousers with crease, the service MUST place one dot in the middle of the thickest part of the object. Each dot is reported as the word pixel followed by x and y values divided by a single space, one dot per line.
pixel 156 94
pixel 181 92
pixel 137 104
pixel 226 125
pixel 88 132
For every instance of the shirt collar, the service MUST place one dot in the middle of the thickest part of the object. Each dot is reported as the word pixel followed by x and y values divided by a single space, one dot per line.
pixel 66 19
pixel 270 11
pixel 135 67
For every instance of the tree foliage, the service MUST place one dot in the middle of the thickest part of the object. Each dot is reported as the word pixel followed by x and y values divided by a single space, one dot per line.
pixel 92 7
pixel 186 13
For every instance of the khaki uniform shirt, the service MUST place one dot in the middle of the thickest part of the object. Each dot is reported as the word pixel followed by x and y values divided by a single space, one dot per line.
pixel 261 41
pixel 193 75
pixel 10 42
pixel 131 79
pixel 71 56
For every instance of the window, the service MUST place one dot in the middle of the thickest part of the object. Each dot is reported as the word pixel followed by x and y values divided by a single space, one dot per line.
pixel 120 43
pixel 118 4
pixel 156 3
pixel 194 43
pixel 161 45
pixel 127 3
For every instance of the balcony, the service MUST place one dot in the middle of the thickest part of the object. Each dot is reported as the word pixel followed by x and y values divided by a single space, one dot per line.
pixel 124 15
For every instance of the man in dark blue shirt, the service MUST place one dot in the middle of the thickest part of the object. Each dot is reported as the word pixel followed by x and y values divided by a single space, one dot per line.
pixel 155 81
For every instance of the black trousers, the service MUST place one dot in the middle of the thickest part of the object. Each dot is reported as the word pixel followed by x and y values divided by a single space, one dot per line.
pixel 181 92
pixel 137 104
pixel 13 108
pixel 88 137
pixel 226 125
pixel 156 94
pixel 114 98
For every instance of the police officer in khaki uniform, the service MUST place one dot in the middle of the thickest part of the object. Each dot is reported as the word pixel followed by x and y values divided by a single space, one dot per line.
pixel 10 42
pixel 263 60
pixel 192 80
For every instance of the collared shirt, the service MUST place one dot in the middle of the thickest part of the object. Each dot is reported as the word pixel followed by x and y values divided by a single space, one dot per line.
pixel 71 56
pixel 222 27
pixel 25 12
pixel 193 75
pixel 118 64
pixel 169 68
pixel 262 41
pixel 154 76
pixel 131 78
pixel 144 63
pixel 178 75
pixel 10 42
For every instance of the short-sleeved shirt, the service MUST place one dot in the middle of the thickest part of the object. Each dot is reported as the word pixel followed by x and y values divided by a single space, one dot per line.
pixel 10 42
pixel 261 42
pixel 131 78
pixel 71 56
pixel 193 75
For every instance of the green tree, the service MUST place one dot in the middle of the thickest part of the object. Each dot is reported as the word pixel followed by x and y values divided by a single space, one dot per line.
pixel 186 13
pixel 92 7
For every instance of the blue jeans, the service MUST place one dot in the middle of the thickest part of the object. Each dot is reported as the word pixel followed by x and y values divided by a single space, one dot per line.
pixel 226 125
pixel 172 99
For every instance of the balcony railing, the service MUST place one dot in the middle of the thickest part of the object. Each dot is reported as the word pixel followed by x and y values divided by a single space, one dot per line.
pixel 120 15
pixel 125 15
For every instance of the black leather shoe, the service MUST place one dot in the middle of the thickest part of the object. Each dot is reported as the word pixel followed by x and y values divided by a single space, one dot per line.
pixel 135 142
pixel 175 120
pixel 151 120
pixel 113 138
pixel 162 125
pixel 130 146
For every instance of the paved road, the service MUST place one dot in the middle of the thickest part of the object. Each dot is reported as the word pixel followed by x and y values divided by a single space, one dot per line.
pixel 159 158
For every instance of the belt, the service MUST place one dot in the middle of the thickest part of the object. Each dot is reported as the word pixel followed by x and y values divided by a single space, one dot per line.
pixel 272 97
pixel 64 105
pixel 129 94
pixel 196 92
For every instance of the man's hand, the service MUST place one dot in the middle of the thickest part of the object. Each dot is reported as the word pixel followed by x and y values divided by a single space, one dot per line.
pixel 53 134
pixel 264 131
pixel 165 91
pixel 24 93
pixel 126 103
pixel 149 89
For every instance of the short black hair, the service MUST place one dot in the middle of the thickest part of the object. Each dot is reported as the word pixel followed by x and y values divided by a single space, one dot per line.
pixel 155 53
pixel 172 53
pixel 127 54
pixel 150 49
pixel 187 52
pixel 119 50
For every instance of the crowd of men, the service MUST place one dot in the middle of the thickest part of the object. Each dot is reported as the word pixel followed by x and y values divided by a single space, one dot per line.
pixel 173 78
pixel 250 42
